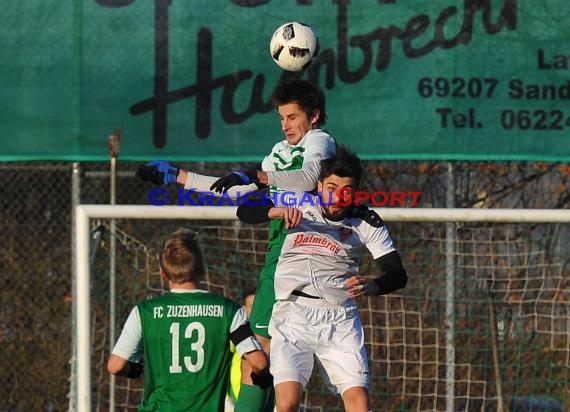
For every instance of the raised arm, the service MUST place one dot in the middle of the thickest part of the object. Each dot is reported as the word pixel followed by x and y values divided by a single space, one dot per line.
pixel 261 212
pixel 316 145
pixel 204 183
pixel 161 172
pixel 301 180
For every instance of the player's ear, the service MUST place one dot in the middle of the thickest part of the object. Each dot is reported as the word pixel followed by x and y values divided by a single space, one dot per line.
pixel 315 117
pixel 162 273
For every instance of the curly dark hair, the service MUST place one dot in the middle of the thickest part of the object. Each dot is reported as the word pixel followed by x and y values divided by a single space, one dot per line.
pixel 343 163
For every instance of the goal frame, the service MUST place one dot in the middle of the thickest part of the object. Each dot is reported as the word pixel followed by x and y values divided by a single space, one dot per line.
pixel 81 359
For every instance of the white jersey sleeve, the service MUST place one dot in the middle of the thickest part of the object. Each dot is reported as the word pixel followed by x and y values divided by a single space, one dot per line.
pixel 377 239
pixel 130 345
pixel 279 166
pixel 202 183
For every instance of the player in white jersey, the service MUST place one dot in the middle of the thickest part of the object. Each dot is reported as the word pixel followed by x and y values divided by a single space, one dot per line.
pixel 316 281
pixel 292 165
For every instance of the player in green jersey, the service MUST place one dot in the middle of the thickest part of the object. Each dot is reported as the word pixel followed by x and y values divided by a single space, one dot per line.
pixel 293 165
pixel 182 337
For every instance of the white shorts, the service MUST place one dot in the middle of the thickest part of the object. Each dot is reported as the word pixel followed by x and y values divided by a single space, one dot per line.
pixel 305 327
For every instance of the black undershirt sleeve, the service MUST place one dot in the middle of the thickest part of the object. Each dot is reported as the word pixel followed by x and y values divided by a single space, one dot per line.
pixel 255 210
pixel 394 275
pixel 241 334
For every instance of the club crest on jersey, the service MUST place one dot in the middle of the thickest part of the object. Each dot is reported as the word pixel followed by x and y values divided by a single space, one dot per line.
pixel 345 233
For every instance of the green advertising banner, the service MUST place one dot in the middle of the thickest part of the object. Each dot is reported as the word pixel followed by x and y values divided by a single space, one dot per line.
pixel 191 79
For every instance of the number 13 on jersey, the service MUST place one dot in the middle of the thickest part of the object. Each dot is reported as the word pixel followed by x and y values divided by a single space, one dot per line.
pixel 196 346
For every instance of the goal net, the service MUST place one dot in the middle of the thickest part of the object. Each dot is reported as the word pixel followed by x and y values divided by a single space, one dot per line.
pixel 484 323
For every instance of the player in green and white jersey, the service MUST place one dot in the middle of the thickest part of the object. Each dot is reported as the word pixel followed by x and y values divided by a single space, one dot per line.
pixel 183 337
pixel 293 165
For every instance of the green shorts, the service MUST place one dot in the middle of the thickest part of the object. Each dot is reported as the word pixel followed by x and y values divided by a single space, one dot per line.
pixel 265 292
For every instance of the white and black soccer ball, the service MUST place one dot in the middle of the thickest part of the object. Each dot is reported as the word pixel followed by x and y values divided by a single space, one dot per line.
pixel 293 46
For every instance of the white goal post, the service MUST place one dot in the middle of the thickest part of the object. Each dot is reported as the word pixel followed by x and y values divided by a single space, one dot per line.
pixel 84 213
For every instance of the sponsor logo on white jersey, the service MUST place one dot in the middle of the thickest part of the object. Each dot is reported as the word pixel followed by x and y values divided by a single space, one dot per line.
pixel 316 241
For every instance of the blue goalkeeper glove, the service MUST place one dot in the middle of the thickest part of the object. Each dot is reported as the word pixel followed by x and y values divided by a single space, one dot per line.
pixel 238 178
pixel 158 172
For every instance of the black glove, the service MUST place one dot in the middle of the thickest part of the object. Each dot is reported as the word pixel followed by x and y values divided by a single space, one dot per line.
pixel 132 370
pixel 264 380
pixel 238 178
pixel 158 172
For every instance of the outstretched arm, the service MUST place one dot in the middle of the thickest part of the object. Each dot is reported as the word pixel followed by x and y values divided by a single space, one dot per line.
pixel 302 180
pixel 318 145
pixel 204 183
pixel 161 172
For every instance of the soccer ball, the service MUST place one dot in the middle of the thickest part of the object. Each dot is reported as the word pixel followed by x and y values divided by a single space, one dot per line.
pixel 293 45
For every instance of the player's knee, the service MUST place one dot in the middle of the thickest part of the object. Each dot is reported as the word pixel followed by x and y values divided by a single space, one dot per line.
pixel 355 399
pixel 287 406
pixel 288 396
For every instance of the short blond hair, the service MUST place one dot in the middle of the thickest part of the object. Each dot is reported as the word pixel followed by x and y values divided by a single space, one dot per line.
pixel 181 257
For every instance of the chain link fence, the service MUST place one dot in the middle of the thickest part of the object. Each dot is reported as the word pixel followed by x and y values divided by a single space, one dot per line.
pixel 36 269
